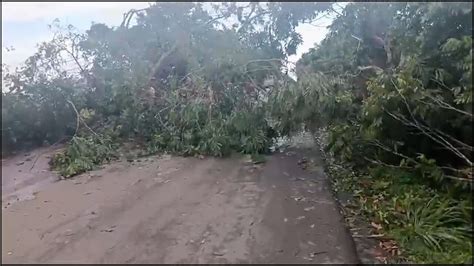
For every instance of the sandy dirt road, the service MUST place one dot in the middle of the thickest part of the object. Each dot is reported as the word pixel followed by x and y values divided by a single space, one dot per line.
pixel 173 210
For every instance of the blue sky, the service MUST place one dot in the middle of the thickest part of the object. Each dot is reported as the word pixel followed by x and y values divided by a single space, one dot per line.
pixel 26 24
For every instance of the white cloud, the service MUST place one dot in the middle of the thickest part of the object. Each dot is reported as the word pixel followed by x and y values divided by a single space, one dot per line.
pixel 31 11
pixel 43 13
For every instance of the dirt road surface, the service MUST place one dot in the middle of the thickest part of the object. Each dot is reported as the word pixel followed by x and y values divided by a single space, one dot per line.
pixel 165 209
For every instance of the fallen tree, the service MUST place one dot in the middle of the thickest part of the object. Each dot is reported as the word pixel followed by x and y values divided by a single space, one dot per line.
pixel 180 80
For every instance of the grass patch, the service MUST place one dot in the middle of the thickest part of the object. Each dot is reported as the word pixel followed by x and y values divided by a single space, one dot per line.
pixel 427 225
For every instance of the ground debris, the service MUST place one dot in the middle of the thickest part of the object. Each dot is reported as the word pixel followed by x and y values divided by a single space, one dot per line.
pixel 313 254
pixel 109 229
pixel 299 198
pixel 368 236
pixel 376 226
pixel 219 254
pixel 390 246
pixel 302 161
pixel 298 179
pixel 137 181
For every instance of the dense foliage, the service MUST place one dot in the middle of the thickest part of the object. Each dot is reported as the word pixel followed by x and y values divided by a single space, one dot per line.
pixel 392 83
pixel 404 100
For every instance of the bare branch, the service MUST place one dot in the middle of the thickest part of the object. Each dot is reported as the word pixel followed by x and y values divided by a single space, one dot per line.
pixel 426 130
pixel 432 135
pixel 78 118
pixel 335 11
pixel 383 147
pixel 462 144
pixel 463 179
pixel 378 162
pixel 214 20
pixel 248 21
pixel 160 62
pixel 446 105
pixel 128 16
pixel 376 68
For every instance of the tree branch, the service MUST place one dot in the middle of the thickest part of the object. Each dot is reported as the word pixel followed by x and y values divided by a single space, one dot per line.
pixel 160 62
pixel 128 16
pixel 432 135
pixel 247 22
pixel 446 105
pixel 78 118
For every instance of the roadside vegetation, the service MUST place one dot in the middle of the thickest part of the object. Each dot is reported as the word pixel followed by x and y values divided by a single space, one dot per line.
pixel 391 85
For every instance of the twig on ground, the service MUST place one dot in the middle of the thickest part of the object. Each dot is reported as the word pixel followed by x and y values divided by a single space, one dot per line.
pixel 369 236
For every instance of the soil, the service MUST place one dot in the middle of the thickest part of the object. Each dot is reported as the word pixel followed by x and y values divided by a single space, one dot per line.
pixel 166 209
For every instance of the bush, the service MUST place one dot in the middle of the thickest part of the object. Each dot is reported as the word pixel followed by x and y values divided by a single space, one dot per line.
pixel 427 225
pixel 84 154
